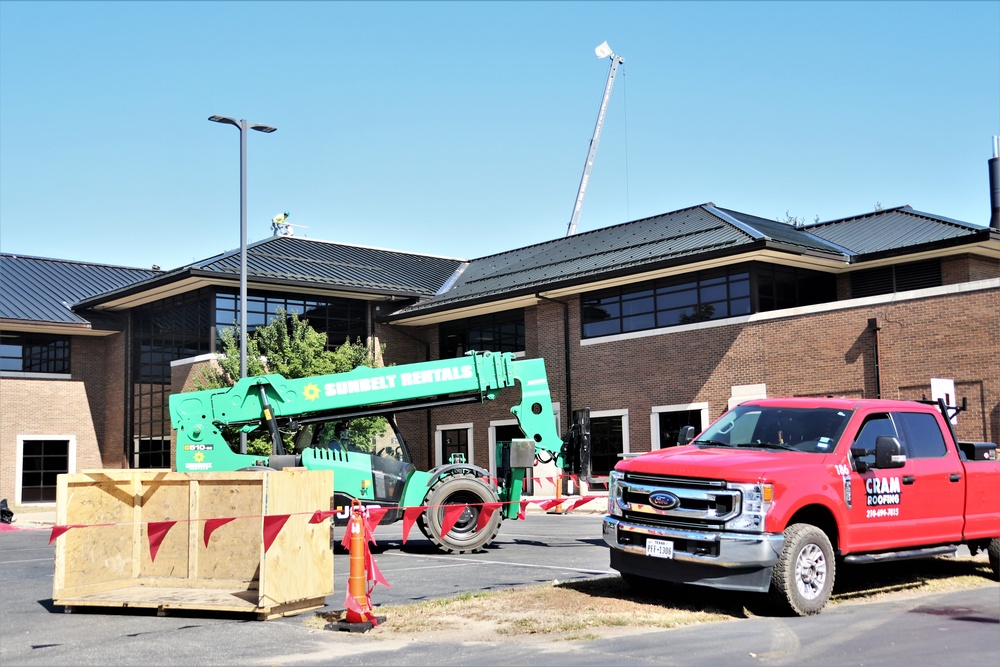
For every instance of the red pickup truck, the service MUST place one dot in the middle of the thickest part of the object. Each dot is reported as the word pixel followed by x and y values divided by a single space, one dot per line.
pixel 776 492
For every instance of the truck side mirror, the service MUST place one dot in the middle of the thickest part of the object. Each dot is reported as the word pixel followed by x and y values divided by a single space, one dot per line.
pixel 889 452
pixel 685 435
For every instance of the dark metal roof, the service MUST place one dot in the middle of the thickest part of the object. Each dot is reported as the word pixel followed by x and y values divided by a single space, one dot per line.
pixel 890 229
pixel 633 246
pixel 333 264
pixel 43 290
pixel 309 262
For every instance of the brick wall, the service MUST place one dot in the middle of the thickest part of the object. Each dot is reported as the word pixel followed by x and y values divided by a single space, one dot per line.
pixel 953 336
pixel 88 405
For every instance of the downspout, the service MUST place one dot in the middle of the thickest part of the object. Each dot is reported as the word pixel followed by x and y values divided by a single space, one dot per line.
pixel 429 425
pixel 875 328
pixel 569 393
pixel 129 425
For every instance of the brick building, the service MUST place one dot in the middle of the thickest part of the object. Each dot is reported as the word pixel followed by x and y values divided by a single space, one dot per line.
pixel 652 324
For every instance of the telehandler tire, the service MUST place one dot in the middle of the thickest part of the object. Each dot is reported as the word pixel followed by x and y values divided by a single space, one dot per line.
pixel 463 537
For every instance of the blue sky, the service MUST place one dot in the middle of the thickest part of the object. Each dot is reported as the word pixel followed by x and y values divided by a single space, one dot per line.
pixel 461 128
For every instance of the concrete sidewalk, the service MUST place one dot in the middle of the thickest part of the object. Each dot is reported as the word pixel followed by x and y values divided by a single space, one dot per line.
pixel 34 519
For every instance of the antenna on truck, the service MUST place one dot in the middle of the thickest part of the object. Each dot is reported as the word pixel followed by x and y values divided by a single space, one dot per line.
pixel 602 51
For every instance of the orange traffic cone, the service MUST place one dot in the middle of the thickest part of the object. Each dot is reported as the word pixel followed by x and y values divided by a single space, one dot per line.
pixel 357 582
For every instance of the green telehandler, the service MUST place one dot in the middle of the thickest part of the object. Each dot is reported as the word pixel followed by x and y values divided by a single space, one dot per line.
pixel 382 475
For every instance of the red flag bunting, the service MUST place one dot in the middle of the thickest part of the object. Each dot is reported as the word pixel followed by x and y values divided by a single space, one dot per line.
pixel 374 574
pixel 409 516
pixel 373 518
pixel 272 526
pixel 550 503
pixel 485 513
pixel 57 531
pixel 356 612
pixel 451 515
pixel 320 516
pixel 524 506
pixel 156 531
pixel 581 501
pixel 212 524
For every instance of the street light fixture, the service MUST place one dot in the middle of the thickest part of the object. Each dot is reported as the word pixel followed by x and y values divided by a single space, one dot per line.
pixel 243 126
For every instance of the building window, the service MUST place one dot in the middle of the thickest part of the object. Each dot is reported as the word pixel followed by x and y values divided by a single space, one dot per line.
pixel 175 328
pixel 34 353
pixel 896 278
pixel 151 453
pixel 702 296
pixel 42 460
pixel 187 326
pixel 454 440
pixel 496 332
pixel 668 420
pixel 664 303
pixel 608 441
pixel 340 319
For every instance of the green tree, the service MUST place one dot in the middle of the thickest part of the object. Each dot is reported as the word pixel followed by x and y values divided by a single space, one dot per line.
pixel 289 346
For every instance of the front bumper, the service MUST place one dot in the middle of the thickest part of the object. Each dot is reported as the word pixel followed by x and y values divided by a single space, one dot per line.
pixel 736 561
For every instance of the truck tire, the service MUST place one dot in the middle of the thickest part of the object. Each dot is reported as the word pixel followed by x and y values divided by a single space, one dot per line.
pixel 802 579
pixel 463 537
pixel 993 551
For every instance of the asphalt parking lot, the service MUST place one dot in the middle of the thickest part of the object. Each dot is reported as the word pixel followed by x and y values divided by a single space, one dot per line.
pixel 951 627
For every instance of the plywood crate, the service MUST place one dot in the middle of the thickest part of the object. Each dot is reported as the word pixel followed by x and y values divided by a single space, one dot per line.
pixel 104 559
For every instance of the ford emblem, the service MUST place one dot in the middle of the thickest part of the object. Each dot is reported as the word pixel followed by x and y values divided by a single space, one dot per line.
pixel 664 500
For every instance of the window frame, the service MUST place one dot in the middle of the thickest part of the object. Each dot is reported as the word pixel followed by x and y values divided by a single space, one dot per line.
pixel 19 463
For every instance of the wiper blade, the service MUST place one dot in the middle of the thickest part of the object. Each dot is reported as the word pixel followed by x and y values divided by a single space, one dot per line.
pixel 714 443
pixel 768 445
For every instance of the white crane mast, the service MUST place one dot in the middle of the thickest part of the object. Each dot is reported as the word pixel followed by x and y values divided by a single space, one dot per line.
pixel 602 51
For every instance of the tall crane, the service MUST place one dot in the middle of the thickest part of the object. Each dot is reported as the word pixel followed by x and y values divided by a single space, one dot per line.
pixel 602 51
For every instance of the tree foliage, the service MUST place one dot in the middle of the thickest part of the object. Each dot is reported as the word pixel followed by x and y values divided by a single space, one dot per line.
pixel 289 346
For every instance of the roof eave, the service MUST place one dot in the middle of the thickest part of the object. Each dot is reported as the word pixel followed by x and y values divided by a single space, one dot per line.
pixel 420 314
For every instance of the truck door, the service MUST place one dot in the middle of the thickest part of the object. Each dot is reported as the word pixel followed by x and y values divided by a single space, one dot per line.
pixel 881 514
pixel 933 478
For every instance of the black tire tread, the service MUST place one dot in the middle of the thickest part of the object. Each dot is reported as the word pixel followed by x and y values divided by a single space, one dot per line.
pixel 784 594
pixel 486 536
pixel 993 552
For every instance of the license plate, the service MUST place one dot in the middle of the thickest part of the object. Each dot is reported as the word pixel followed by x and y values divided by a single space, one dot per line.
pixel 659 548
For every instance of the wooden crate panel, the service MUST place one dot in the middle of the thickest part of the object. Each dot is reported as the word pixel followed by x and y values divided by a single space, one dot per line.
pixel 111 565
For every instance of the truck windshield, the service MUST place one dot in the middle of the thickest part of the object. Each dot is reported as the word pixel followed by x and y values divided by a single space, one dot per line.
pixel 799 429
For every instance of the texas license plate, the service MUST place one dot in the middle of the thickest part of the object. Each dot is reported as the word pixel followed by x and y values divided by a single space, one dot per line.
pixel 659 548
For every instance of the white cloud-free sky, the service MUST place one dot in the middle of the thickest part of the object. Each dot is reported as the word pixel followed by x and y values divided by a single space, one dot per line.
pixel 461 128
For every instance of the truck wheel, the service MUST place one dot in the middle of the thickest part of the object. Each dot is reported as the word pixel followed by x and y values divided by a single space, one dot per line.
pixel 802 579
pixel 993 551
pixel 463 537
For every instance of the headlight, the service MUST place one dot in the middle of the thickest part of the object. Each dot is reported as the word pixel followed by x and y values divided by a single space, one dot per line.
pixel 615 490
pixel 756 500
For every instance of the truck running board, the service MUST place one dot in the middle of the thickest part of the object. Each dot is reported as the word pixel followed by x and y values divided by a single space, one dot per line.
pixel 857 559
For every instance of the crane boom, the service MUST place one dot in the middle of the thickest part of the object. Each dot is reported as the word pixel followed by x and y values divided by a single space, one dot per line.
pixel 588 166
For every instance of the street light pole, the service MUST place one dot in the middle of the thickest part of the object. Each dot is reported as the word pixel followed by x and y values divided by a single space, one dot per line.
pixel 242 126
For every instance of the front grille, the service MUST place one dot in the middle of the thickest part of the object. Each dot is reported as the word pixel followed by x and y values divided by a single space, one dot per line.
pixel 702 504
